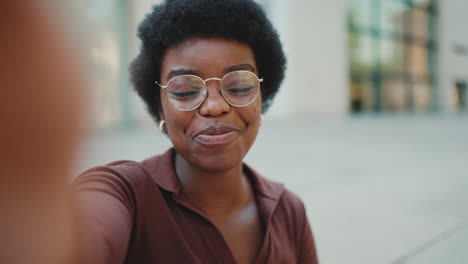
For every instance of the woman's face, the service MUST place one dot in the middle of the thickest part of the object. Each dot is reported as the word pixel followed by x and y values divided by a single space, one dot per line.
pixel 216 136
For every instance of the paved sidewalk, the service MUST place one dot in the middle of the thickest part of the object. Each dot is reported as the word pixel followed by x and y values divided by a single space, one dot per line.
pixel 391 190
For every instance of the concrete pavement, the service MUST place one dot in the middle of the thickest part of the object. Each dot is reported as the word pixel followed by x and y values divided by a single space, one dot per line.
pixel 388 189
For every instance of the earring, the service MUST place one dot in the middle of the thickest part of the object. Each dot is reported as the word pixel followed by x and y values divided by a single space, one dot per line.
pixel 163 127
pixel 262 120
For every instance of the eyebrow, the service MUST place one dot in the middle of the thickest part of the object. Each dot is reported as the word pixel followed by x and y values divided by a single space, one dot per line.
pixel 239 67
pixel 182 71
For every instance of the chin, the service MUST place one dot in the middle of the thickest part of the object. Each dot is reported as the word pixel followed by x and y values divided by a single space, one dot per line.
pixel 217 161
pixel 213 159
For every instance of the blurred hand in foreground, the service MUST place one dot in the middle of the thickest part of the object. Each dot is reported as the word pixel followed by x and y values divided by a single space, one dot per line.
pixel 41 88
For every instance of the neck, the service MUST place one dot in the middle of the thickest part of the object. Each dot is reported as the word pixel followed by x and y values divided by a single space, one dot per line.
pixel 216 193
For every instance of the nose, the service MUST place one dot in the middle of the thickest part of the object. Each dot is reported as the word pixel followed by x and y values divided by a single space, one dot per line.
pixel 214 104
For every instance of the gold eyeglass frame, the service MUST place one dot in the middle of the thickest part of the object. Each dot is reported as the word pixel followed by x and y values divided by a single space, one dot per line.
pixel 219 90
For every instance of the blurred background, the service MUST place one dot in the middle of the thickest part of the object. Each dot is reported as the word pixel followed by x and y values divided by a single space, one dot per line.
pixel 370 127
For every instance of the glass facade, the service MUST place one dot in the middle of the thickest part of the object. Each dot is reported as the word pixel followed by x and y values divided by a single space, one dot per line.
pixel 391 55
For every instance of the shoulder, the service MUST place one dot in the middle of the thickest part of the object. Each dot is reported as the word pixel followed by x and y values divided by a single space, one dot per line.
pixel 117 179
pixel 287 205
pixel 116 174
pixel 106 202
pixel 291 200
pixel 129 181
pixel 274 190
pixel 291 208
pixel 126 172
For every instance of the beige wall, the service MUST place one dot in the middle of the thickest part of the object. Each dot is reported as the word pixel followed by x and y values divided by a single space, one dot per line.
pixel 452 66
pixel 318 59
pixel 313 33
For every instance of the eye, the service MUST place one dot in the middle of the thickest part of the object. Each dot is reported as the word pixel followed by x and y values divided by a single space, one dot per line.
pixel 240 91
pixel 184 94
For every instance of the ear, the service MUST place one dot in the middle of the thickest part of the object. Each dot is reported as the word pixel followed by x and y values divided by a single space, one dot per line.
pixel 161 111
pixel 162 123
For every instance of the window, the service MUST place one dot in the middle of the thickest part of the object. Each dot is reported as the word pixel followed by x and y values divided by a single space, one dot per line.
pixel 391 55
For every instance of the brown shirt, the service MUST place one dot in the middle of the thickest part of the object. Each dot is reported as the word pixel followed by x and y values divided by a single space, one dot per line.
pixel 135 213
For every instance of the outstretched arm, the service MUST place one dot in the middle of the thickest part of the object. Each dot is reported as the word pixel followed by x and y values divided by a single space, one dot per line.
pixel 104 209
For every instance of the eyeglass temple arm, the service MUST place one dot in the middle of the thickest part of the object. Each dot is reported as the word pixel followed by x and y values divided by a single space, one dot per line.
pixel 162 86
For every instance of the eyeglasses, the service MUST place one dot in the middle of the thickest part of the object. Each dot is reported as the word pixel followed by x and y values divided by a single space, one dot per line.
pixel 188 92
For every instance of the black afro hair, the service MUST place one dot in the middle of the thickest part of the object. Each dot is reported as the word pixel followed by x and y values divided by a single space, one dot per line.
pixel 175 21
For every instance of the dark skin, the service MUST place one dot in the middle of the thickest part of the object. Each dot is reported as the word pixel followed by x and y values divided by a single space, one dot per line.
pixel 40 113
pixel 211 175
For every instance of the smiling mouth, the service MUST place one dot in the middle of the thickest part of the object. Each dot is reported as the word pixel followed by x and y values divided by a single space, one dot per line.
pixel 214 135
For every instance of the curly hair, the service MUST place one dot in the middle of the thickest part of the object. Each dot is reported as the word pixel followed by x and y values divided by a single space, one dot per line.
pixel 175 21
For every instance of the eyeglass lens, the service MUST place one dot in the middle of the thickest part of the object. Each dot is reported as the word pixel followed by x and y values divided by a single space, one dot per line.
pixel 187 92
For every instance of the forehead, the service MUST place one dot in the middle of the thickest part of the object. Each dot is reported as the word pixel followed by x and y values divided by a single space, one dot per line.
pixel 210 57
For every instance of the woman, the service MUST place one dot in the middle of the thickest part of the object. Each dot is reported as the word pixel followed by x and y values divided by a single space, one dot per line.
pixel 206 71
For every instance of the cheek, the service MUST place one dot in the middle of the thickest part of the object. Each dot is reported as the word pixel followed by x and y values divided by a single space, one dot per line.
pixel 256 110
pixel 163 104
pixel 251 116
pixel 167 114
pixel 177 122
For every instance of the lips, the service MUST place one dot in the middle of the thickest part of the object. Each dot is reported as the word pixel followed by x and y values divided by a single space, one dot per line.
pixel 216 134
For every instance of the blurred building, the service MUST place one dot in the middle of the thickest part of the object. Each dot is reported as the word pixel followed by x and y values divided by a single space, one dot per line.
pixel 344 57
